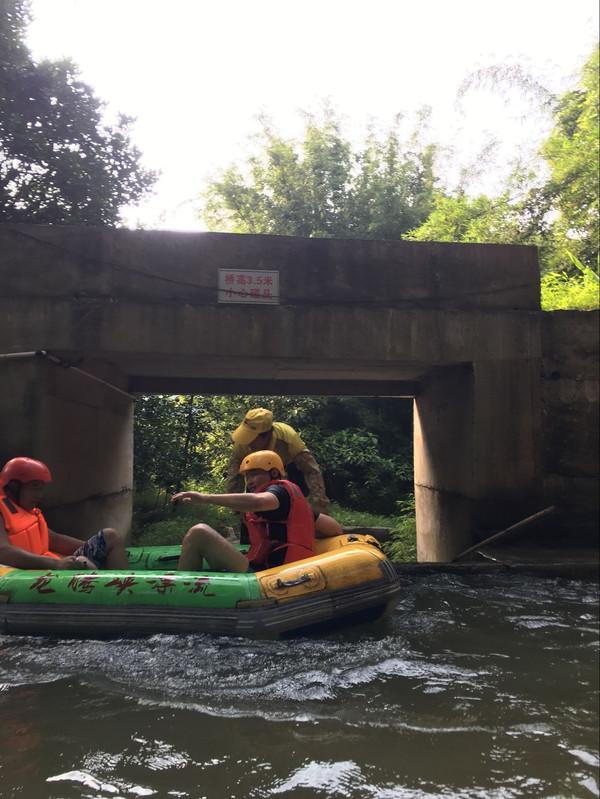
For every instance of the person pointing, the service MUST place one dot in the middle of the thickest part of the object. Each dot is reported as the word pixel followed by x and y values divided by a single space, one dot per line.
pixel 258 432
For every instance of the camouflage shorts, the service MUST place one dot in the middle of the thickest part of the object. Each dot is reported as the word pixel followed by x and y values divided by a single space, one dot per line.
pixel 94 549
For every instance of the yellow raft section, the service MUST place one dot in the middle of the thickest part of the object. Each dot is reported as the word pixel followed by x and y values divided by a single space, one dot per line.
pixel 352 560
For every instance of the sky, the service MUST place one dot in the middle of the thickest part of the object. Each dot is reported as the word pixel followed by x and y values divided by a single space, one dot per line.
pixel 197 73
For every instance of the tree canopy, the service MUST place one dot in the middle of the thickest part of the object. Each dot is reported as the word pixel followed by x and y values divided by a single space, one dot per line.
pixel 59 161
pixel 322 186
pixel 389 188
pixel 572 153
pixel 558 214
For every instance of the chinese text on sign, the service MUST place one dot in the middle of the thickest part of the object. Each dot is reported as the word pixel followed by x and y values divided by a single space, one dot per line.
pixel 248 285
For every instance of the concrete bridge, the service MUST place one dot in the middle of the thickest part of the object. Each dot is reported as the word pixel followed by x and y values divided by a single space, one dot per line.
pixel 455 327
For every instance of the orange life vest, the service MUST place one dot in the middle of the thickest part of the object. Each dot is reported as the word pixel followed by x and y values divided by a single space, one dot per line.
pixel 300 526
pixel 25 529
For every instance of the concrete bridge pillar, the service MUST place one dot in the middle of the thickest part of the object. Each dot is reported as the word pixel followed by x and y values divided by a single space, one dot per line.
pixel 83 429
pixel 477 452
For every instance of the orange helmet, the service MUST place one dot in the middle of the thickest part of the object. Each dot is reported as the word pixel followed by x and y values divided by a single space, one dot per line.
pixel 25 470
pixel 263 459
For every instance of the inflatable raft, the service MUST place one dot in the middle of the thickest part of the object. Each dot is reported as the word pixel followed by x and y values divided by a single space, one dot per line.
pixel 350 579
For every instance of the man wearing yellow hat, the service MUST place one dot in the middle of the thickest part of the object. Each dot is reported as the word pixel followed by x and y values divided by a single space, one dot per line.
pixel 258 432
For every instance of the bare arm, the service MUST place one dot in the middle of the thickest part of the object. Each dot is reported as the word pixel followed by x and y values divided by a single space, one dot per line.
pixel 234 481
pixel 314 480
pixel 63 544
pixel 241 502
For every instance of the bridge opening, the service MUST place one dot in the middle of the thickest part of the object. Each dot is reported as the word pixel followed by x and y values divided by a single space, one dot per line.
pixel 362 443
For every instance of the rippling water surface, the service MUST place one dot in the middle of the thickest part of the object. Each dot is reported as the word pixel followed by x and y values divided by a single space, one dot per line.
pixel 478 687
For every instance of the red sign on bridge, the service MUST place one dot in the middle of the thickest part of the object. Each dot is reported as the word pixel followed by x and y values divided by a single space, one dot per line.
pixel 248 285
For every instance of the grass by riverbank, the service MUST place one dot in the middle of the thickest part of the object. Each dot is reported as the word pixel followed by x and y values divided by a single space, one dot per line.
pixel 167 525
pixel 401 546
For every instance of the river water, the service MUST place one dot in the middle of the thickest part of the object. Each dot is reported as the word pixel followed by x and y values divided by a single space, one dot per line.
pixel 475 687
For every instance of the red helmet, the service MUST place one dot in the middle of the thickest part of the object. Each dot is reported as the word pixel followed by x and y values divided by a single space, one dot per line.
pixel 25 470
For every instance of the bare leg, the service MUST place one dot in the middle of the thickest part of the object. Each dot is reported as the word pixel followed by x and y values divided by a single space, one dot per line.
pixel 201 541
pixel 116 554
pixel 326 526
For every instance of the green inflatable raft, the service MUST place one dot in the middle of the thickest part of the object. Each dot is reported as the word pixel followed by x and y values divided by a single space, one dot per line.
pixel 349 578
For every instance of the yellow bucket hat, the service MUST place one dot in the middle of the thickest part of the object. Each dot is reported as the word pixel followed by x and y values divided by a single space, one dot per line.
pixel 256 421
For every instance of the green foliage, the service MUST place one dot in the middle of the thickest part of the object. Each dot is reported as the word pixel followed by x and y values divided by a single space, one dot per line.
pixel 573 155
pixel 563 291
pixel 348 517
pixel 497 220
pixel 402 544
pixel 173 437
pixel 321 187
pixel 387 188
pixel 59 162
pixel 362 445
pixel 557 214
pixel 174 522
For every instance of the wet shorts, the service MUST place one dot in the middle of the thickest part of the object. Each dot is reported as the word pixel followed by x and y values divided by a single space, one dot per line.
pixel 94 549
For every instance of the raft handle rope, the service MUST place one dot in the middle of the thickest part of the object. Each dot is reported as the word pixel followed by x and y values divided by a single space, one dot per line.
pixel 304 578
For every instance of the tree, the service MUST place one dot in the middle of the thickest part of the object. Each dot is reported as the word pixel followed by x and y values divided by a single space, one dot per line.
pixel 558 214
pixel 322 187
pixel 59 162
pixel 497 220
pixel 573 157
pixel 364 446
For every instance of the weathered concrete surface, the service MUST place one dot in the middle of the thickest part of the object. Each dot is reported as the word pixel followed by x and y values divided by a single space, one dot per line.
pixel 443 425
pixel 80 261
pixel 489 413
pixel 146 301
pixel 149 340
pixel 83 430
pixel 570 419
pixel 457 326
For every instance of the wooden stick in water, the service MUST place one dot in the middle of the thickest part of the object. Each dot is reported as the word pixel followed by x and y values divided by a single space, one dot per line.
pixel 517 526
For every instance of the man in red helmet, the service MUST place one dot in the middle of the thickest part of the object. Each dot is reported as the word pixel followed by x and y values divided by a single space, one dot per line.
pixel 280 521
pixel 26 542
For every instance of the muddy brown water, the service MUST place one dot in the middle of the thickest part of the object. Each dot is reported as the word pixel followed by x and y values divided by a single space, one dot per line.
pixel 481 686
